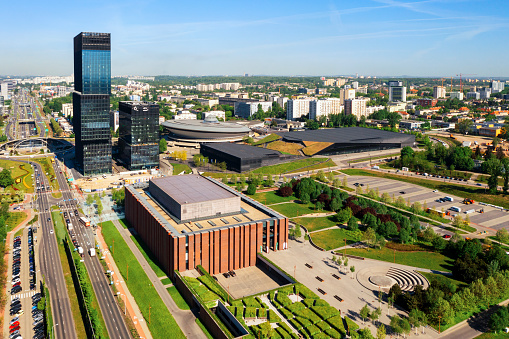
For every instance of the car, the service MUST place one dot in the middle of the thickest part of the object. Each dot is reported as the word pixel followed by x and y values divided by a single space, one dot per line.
pixel 447 236
pixel 402 192
pixel 478 184
pixel 14 324
pixel 49 219
pixel 14 320
pixel 435 191
pixel 16 284
pixel 50 231
pixel 13 329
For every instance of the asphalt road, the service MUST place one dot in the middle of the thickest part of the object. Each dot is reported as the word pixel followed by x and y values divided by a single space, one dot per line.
pixel 112 315
pixel 51 266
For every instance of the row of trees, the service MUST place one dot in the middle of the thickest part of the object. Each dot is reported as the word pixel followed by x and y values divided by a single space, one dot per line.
pixel 56 127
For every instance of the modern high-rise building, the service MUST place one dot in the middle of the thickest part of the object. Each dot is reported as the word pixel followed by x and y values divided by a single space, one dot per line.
pixel 345 94
pixel 138 134
pixel 438 92
pixel 297 108
pixel 91 102
pixel 397 92
pixel 324 107
pixel 497 86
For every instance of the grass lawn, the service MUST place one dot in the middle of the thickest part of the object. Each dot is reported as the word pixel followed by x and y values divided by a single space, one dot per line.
pixel 152 261
pixel 294 209
pixel 21 171
pixel 429 260
pixel 179 168
pixel 14 219
pixel 162 322
pixel 285 147
pixel 204 329
pixel 166 281
pixel 271 197
pixel 315 224
pixel 443 278
pixel 462 191
pixel 501 335
pixel 314 147
pixel 323 165
pixel 48 168
pixel 268 138
pixel 177 298
pixel 374 158
pixel 301 164
pixel 123 222
pixel 60 232
pixel 334 238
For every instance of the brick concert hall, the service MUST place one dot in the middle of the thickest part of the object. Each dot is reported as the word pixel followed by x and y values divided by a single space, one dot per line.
pixel 190 220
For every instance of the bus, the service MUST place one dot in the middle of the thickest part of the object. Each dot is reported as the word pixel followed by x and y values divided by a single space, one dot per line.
pixel 85 221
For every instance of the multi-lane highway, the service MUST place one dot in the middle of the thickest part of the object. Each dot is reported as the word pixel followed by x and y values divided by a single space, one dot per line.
pixel 51 267
pixel 85 237
pixel 25 109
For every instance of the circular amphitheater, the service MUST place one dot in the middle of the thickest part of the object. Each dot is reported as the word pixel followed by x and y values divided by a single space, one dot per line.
pixel 383 278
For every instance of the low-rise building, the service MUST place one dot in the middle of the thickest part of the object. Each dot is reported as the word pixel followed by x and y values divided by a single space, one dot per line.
pixel 184 115
pixel 490 131
pixel 217 114
pixel 411 124
pixel 425 102
pixel 248 109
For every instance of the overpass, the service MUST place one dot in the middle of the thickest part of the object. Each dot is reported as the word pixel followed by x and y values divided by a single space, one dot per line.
pixel 37 142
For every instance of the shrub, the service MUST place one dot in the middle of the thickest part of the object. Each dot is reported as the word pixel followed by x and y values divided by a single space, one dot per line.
pixel 325 312
pixel 285 191
pixel 303 321
pixel 321 302
pixel 404 247
pixel 309 302
pixel 287 314
pixel 296 307
pixel 283 299
pixel 250 312
pixel 251 302
pixel 308 314
pixel 350 324
pixel 282 332
pixel 312 330
pixel 273 317
pixel 336 322
pixel 262 313
pixel 237 303
pixel 333 333
pixel 323 325
pixel 251 189
pixel 305 292
pixel 321 336
pixel 262 304
pixel 297 325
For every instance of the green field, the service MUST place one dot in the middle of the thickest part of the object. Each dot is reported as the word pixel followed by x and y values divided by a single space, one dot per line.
pixel 271 197
pixel 429 260
pixel 294 166
pixel 152 261
pixel 455 189
pixel 124 223
pixel 162 322
pixel 177 298
pixel 14 219
pixel 374 158
pixel 268 138
pixel 19 170
pixel 334 238
pixel 179 168
pixel 502 335
pixel 293 209
pixel 315 224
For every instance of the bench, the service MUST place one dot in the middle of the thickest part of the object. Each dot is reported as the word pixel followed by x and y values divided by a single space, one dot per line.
pixel 321 291
pixel 308 265
pixel 336 276
pixel 319 279
pixel 338 298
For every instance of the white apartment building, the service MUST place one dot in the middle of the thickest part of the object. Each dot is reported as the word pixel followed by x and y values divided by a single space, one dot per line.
pixel 497 86
pixel 184 115
pixel 67 109
pixel 457 95
pixel 485 93
pixel 217 114
pixel 356 107
pixel 324 107
pixel 372 109
pixel 346 94
pixel 297 108
pixel 438 92
pixel 207 102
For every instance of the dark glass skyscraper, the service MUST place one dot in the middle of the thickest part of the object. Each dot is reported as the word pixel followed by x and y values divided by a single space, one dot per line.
pixel 138 133
pixel 91 102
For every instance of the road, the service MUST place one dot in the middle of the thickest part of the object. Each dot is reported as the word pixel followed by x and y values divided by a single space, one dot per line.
pixel 112 315
pixel 51 266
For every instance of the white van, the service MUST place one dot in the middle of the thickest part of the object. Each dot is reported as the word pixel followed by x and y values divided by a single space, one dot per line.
pixel 455 209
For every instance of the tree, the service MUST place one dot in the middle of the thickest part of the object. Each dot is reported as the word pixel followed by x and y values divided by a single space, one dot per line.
pixel 163 145
pixel 505 175
pixel 502 235
pixel 90 199
pixel 375 315
pixel 458 221
pixel 251 189
pixel 396 324
pixel 6 178
pixel 369 236
pixel 414 317
pixel 493 167
pixel 353 224
pixel 380 332
pixel 343 215
pixel 352 269
pixel 499 320
pixel 364 313
pixel 407 151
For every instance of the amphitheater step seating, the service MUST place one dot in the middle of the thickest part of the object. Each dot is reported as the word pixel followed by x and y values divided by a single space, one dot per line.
pixel 406 279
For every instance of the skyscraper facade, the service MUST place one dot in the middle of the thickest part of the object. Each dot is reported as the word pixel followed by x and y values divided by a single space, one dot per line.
pixel 138 133
pixel 91 102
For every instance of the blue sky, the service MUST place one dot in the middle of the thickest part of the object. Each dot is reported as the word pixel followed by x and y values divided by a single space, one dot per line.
pixel 368 37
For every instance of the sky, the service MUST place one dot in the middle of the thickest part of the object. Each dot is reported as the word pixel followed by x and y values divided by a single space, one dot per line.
pixel 277 37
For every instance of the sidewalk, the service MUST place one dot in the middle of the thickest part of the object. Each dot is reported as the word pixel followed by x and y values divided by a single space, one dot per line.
pixel 185 319
pixel 130 304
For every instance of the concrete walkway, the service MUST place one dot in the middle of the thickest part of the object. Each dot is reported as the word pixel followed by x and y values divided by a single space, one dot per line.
pixel 184 318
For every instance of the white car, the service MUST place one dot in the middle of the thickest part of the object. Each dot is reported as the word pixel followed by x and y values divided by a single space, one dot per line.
pixel 50 231
pixel 435 191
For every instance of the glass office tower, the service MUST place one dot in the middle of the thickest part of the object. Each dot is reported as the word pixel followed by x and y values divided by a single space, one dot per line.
pixel 138 134
pixel 91 102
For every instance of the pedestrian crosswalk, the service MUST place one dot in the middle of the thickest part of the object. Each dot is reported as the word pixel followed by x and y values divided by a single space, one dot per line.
pixel 23 295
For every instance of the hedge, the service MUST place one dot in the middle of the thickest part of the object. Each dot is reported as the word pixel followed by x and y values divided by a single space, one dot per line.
pixel 281 331
pixel 273 317
pixel 322 325
pixel 251 302
pixel 321 302
pixel 262 304
pixel 312 330
pixel 333 333
pixel 308 314
pixel 287 314
pixel 283 299
pixel 250 312
pixel 237 303
pixel 337 323
pixel 296 307
pixel 262 313
pixel 325 312
pixel 287 329
pixel 303 321
pixel 351 325
pixel 213 285
pixel 308 302
pixel 297 325
pixel 320 336
pixel 305 292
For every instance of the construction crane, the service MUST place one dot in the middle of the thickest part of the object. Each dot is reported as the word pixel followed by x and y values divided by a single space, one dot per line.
pixel 460 75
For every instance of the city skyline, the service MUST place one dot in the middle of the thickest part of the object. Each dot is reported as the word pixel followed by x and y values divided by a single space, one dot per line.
pixel 380 37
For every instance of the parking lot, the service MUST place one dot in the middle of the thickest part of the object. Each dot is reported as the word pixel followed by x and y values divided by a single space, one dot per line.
pixel 492 218
pixel 24 320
